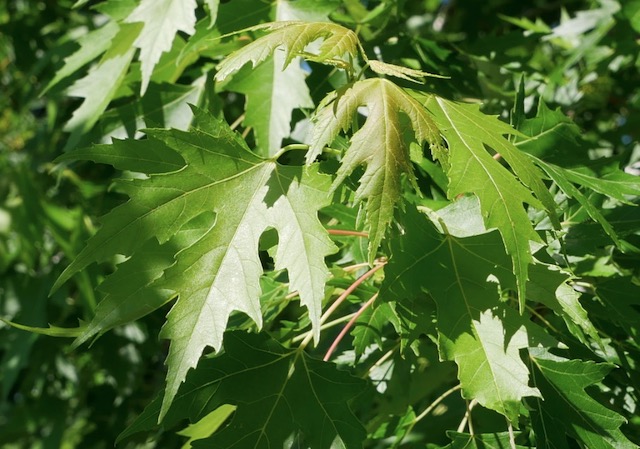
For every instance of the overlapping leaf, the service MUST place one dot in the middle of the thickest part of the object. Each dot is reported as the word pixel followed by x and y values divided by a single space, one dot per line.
pixel 500 440
pixel 382 143
pixel 274 88
pixel 475 329
pixel 272 94
pixel 294 37
pixel 99 86
pixel 218 271
pixel 554 143
pixel 502 194
pixel 567 409
pixel 279 394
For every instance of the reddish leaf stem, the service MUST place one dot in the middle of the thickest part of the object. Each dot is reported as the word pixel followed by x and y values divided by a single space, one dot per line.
pixel 325 316
pixel 347 232
pixel 348 291
pixel 348 326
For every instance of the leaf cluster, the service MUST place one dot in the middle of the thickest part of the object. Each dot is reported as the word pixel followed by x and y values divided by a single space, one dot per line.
pixel 321 224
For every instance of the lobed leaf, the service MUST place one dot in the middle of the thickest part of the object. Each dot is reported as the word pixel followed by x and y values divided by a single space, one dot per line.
pixel 99 86
pixel 502 194
pixel 272 93
pixel 382 144
pixel 567 409
pixel 161 20
pixel 279 394
pixel 217 271
pixel 293 37
pixel 475 329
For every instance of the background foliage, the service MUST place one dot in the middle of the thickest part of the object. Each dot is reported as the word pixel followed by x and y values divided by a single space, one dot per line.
pixel 487 218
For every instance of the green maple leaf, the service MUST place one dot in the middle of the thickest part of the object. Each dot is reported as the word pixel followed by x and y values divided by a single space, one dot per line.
pixel 293 37
pixel 92 45
pixel 568 409
pixel 500 440
pixel 161 20
pixel 471 168
pixel 550 135
pixel 382 143
pixel 275 87
pixel 165 105
pixel 369 326
pixel 549 287
pixel 475 329
pixel 218 272
pixel 99 86
pixel 620 299
pixel 272 94
pixel 133 290
pixel 554 143
pixel 279 394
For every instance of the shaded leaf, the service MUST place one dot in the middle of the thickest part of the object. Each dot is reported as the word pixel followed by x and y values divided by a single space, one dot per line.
pixel 279 393
pixel 620 298
pixel 568 409
pixel 549 287
pixel 501 440
pixel 475 329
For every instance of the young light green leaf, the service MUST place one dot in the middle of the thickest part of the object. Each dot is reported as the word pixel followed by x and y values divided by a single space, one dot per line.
pixel 382 144
pixel 279 393
pixel 413 75
pixel 475 329
pixel 294 37
pixel 568 409
pixel 161 20
pixel 501 193
pixel 212 6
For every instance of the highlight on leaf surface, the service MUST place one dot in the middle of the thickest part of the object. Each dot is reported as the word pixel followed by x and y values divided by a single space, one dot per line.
pixel 338 45
pixel 194 233
pixel 502 192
